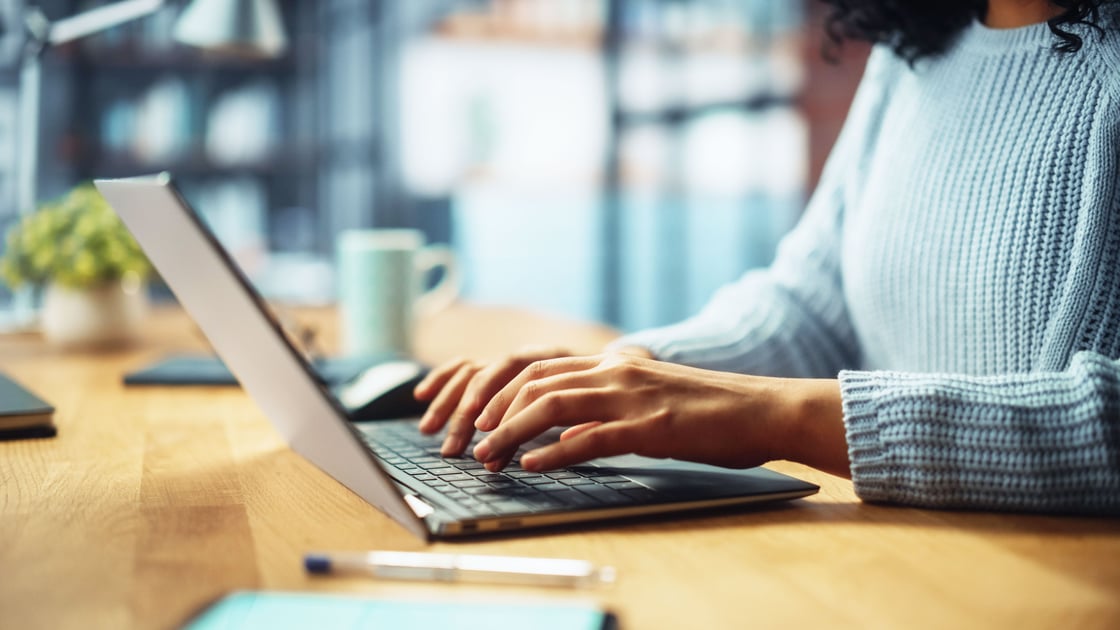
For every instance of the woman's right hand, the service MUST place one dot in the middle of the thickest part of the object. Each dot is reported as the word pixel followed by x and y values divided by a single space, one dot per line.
pixel 459 390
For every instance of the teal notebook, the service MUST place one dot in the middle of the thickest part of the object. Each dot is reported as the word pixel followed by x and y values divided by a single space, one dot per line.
pixel 250 610
pixel 22 413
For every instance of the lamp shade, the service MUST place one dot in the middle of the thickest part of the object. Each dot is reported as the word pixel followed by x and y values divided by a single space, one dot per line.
pixel 250 28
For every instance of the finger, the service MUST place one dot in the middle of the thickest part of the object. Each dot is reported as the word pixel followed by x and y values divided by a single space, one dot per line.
pixel 458 432
pixel 563 407
pixel 572 432
pixel 498 406
pixel 489 381
pixel 536 389
pixel 599 440
pixel 444 403
pixel 499 464
pixel 437 378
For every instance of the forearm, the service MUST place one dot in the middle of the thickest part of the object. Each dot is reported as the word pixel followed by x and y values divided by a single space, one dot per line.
pixel 758 326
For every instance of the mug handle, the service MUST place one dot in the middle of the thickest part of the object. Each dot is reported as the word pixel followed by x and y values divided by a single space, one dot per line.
pixel 445 292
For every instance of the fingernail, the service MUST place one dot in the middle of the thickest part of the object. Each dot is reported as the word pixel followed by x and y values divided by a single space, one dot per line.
pixel 482 451
pixel 497 465
pixel 487 421
pixel 425 420
pixel 531 461
pixel 453 445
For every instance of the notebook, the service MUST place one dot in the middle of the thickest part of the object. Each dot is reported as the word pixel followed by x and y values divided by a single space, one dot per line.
pixel 22 413
pixel 359 383
pixel 192 369
pixel 278 610
pixel 388 463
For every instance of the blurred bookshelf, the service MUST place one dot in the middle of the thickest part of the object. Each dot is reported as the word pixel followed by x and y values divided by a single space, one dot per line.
pixel 240 135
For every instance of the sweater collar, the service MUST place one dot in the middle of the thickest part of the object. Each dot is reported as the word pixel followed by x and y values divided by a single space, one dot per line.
pixel 982 39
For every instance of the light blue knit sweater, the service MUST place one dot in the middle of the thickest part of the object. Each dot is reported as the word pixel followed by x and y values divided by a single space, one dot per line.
pixel 959 269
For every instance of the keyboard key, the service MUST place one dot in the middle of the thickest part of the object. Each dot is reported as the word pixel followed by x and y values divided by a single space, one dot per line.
pixel 605 495
pixel 509 506
pixel 538 481
pixel 486 495
pixel 578 481
pixel 551 486
pixel 467 483
pixel 626 485
pixel 600 478
pixel 540 502
pixel 488 477
pixel 644 494
pixel 578 500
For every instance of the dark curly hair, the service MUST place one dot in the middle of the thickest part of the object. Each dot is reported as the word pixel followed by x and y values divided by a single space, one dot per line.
pixel 925 28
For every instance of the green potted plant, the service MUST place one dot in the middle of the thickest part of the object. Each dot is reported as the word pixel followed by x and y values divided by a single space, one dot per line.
pixel 92 272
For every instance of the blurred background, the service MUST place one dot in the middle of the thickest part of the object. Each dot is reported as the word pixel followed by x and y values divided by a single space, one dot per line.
pixel 605 160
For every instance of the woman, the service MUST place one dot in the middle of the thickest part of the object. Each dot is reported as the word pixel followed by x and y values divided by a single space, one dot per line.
pixel 943 325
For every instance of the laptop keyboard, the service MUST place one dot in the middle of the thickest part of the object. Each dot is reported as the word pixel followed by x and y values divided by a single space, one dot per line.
pixel 400 447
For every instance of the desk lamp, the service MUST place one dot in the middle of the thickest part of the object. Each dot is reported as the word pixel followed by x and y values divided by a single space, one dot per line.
pixel 247 28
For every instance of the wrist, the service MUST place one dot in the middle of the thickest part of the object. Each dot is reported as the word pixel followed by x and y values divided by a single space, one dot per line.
pixel 815 434
pixel 634 351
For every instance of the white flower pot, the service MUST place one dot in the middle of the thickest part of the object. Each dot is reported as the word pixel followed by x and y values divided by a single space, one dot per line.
pixel 103 316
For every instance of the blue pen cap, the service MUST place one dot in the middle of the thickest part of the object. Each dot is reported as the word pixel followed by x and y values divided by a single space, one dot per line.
pixel 317 564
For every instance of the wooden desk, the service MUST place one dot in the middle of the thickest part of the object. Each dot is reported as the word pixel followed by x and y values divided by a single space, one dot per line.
pixel 152 502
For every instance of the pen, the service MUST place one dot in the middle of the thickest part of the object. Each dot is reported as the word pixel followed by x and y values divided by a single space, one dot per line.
pixel 446 567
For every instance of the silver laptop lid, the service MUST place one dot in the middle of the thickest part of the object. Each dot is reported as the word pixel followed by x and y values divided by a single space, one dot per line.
pixel 249 340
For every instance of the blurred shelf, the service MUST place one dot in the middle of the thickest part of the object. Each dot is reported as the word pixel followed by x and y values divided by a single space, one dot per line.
pixel 196 164
pixel 680 114
pixel 174 59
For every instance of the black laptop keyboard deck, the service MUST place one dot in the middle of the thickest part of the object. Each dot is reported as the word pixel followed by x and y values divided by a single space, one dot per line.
pixel 415 457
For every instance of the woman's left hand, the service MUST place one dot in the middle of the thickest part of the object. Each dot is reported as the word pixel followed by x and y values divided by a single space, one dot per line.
pixel 616 404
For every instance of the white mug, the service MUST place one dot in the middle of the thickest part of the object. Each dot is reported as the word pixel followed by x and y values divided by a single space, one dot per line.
pixel 382 278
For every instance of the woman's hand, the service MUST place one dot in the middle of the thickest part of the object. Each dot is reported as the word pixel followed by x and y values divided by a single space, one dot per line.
pixel 617 404
pixel 460 389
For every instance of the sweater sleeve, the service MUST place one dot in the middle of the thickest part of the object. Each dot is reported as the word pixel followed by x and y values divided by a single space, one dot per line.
pixel 790 319
pixel 1045 442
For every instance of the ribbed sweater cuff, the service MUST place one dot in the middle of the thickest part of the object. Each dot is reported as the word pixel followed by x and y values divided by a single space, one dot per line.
pixel 870 465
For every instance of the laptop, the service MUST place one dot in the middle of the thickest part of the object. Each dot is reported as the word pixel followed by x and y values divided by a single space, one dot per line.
pixel 388 463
